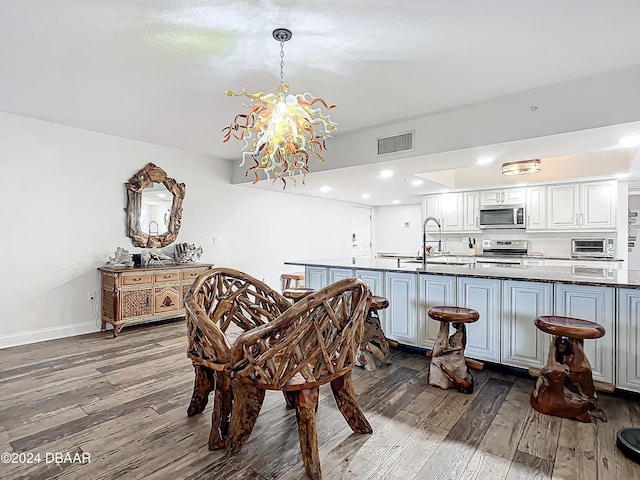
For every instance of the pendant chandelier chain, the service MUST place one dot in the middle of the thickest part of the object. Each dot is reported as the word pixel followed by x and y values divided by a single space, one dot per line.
pixel 281 62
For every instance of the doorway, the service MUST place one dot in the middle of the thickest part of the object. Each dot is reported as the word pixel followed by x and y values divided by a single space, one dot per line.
pixel 361 236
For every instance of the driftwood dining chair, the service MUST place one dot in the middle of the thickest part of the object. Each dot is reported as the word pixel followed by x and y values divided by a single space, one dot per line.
pixel 220 303
pixel 313 343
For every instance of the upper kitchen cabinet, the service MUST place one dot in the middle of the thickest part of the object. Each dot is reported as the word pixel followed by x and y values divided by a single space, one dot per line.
pixel 448 208
pixel 536 208
pixel 471 218
pixel 507 196
pixel 584 206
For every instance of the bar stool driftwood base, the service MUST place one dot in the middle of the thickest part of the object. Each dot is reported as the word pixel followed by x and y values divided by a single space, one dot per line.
pixel 565 386
pixel 448 368
pixel 374 345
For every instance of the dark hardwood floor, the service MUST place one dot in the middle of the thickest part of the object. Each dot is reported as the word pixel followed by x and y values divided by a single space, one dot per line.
pixel 121 404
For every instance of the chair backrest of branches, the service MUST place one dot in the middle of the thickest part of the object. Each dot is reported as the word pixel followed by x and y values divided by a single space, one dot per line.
pixel 219 300
pixel 313 342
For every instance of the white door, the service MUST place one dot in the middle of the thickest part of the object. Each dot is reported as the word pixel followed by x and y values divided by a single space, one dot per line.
pixel 361 236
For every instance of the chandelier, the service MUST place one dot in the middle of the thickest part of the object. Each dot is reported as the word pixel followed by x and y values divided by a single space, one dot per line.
pixel 280 131
pixel 522 167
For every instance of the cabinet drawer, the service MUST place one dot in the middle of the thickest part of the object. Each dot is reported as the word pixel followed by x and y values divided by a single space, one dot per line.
pixel 137 279
pixel 192 274
pixel 167 276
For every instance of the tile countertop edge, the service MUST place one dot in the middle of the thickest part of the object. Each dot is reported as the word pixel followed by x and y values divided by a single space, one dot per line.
pixel 620 278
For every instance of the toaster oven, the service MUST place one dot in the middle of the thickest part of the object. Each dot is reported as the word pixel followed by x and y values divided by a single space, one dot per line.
pixel 599 247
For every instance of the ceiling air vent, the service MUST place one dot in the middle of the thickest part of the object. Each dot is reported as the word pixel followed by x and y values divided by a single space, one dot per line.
pixel 398 143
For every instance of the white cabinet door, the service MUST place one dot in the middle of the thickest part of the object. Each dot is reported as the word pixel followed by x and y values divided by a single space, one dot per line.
pixel 432 290
pixel 483 336
pixel 375 280
pixel 401 320
pixel 315 277
pixel 509 196
pixel 336 274
pixel 523 345
pixel 491 197
pixel 513 196
pixel 431 208
pixel 594 304
pixel 536 208
pixel 562 206
pixel 452 211
pixel 471 207
pixel 598 205
pixel 628 342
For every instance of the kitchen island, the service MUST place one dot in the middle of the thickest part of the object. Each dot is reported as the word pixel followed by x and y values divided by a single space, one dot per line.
pixel 508 299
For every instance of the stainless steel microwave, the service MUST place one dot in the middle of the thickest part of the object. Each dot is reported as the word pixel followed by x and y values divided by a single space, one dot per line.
pixel 511 216
pixel 594 247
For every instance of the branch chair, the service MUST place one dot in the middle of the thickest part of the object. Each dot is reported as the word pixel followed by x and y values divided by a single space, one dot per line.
pixel 313 343
pixel 218 301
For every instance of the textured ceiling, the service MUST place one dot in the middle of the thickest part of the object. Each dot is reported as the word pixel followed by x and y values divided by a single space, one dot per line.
pixel 156 70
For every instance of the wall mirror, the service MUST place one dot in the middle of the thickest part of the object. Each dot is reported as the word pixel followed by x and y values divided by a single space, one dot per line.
pixel 154 207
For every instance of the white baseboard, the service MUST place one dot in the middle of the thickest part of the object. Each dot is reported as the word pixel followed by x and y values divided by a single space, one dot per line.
pixel 51 333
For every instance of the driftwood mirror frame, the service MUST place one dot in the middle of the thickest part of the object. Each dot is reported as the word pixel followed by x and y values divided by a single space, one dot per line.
pixel 136 184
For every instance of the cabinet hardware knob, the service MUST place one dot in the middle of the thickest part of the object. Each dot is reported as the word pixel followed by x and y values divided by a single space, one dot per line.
pixel 137 279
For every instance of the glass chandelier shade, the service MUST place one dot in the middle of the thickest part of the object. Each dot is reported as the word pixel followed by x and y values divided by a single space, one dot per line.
pixel 281 130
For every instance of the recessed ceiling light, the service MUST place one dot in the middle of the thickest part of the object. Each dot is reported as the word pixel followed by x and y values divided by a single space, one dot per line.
pixel 366 195
pixel 395 201
pixel 630 141
pixel 485 160
pixel 386 173
pixel 325 188
pixel 417 182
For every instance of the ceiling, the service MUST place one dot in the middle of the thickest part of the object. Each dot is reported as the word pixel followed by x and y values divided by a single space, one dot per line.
pixel 156 70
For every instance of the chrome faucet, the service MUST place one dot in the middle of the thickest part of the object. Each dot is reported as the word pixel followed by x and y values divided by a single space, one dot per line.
pixel 424 239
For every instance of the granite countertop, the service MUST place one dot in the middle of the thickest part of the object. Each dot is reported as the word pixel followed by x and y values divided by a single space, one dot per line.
pixel 574 275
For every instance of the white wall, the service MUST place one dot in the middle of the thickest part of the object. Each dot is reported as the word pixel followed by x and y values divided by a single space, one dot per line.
pixel 63 217
pixel 391 233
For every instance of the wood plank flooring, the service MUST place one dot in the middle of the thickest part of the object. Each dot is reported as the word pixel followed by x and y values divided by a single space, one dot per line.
pixel 123 402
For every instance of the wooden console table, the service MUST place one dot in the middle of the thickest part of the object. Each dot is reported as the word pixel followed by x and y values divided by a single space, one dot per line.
pixel 143 294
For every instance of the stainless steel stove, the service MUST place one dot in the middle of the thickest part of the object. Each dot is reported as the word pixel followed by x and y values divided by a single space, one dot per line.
pixel 506 252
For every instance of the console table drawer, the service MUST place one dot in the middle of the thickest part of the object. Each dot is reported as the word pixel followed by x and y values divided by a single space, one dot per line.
pixel 167 276
pixel 192 274
pixel 136 279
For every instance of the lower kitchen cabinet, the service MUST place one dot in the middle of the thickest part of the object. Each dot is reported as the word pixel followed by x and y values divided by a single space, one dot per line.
pixel 401 322
pixel 628 341
pixel 315 277
pixel 432 290
pixel 523 345
pixel 595 304
pixel 483 336
pixel 336 274
pixel 375 280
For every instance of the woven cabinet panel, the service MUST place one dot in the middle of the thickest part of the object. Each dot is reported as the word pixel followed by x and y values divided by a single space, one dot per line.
pixel 136 303
pixel 107 305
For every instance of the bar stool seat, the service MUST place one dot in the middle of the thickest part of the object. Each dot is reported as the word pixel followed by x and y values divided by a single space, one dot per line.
pixel 448 368
pixel 374 345
pixel 565 386
pixel 296 294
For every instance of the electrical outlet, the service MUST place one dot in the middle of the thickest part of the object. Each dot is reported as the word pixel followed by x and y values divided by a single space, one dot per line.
pixel 217 239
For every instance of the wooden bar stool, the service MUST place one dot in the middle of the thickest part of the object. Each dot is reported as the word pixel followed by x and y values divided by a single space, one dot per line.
pixel 448 368
pixel 374 345
pixel 296 294
pixel 565 386
pixel 287 278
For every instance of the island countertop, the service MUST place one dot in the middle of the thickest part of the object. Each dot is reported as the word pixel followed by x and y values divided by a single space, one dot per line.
pixel 622 278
